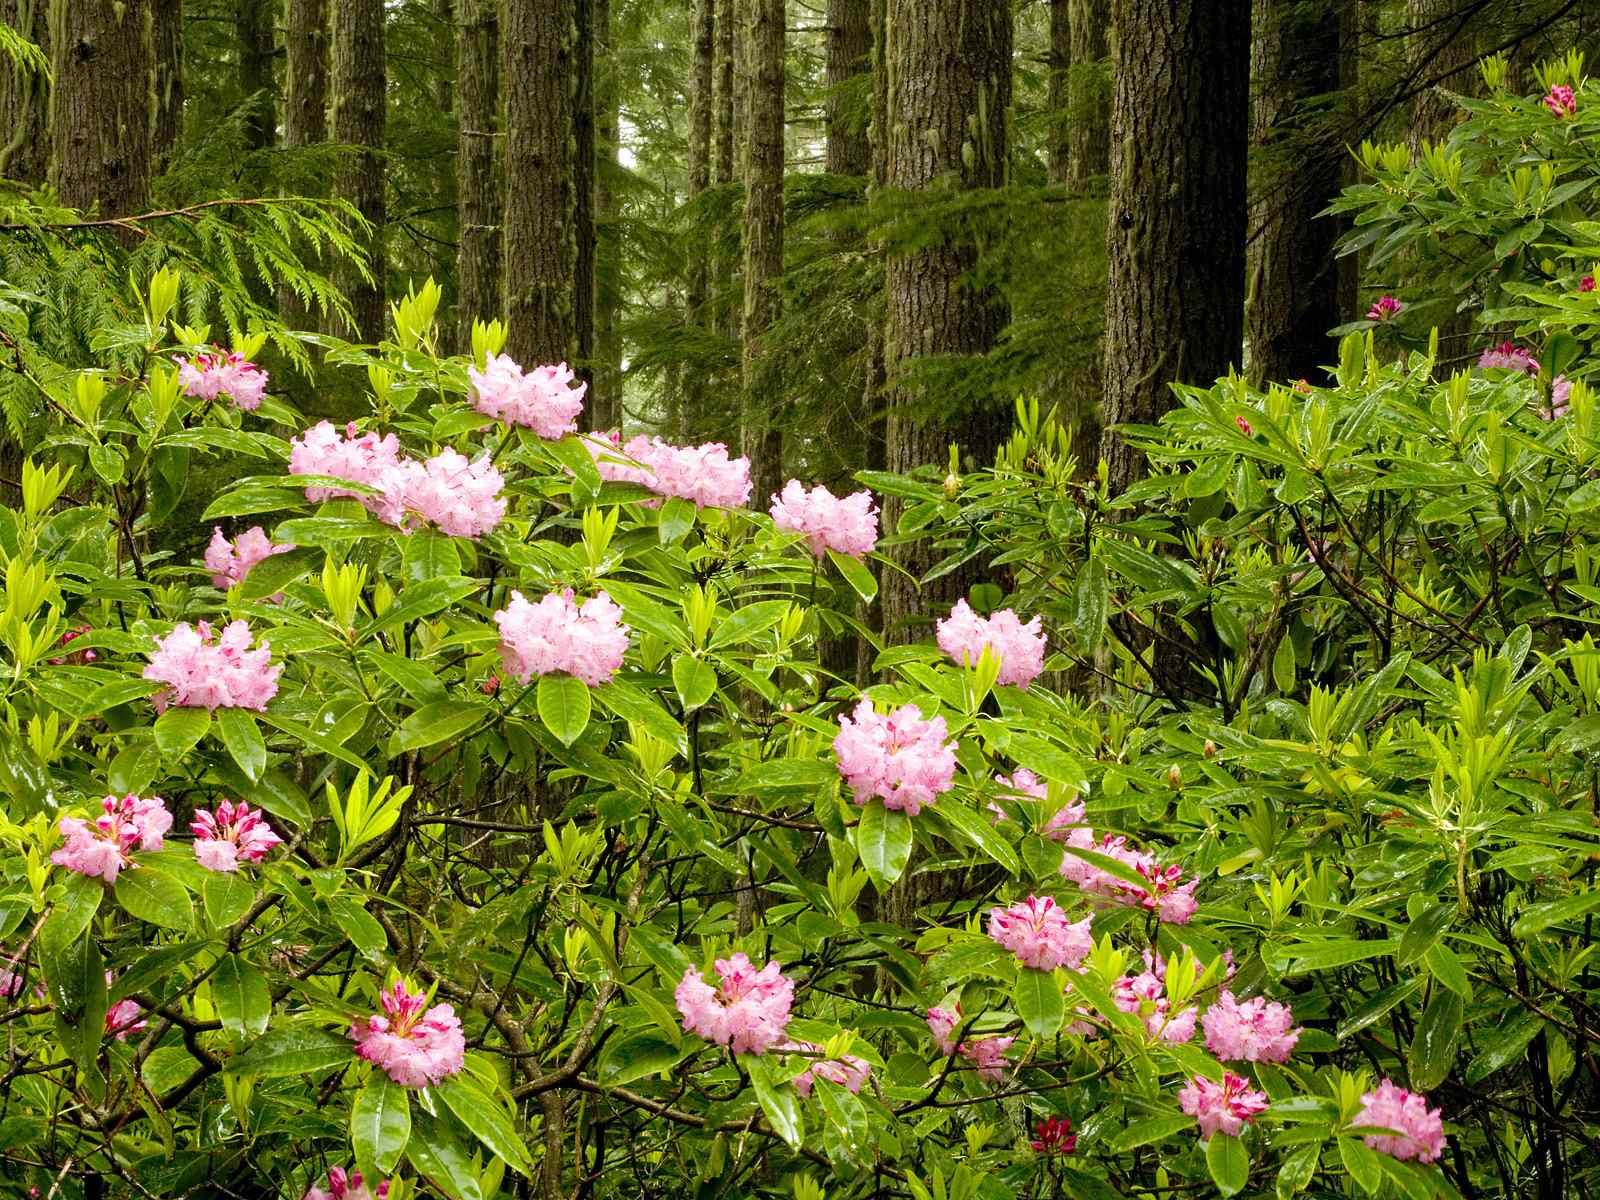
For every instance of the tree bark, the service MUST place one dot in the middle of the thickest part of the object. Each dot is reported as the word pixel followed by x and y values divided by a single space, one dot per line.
pixel 1294 277
pixel 252 23
pixel 583 189
pixel 1176 224
pixel 477 186
pixel 849 56
pixel 25 98
pixel 1441 50
pixel 605 396
pixel 726 17
pixel 359 121
pixel 948 105
pixel 702 82
pixel 539 251
pixel 444 88
pixel 761 436
pixel 166 82
pixel 100 114
pixel 1088 93
pixel 305 113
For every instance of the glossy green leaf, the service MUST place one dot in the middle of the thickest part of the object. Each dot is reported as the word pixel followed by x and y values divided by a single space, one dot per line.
pixel 431 724
pixel 856 573
pixel 429 554
pixel 695 680
pixel 1362 1163
pixel 484 1116
pixel 242 736
pixel 883 840
pixel 179 730
pixel 360 926
pixel 1040 1002
pixel 781 1103
pixel 437 1154
pixel 293 1050
pixel 1433 1042
pixel 380 1124
pixel 745 624
pixel 675 519
pixel 239 991
pixel 1228 1162
pixel 564 706
pixel 154 896
pixel 420 599
pixel 228 895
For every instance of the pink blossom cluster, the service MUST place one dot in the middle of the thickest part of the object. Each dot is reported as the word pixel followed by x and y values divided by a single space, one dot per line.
pixel 988 1054
pixel 1561 101
pixel 1145 995
pixel 1384 308
pixel 76 658
pixel 586 640
pixel 1418 1130
pixel 461 497
pixel 1510 357
pixel 206 376
pixel 1054 1136
pixel 231 835
pixel 1225 1107
pixel 1560 399
pixel 1059 826
pixel 229 562
pixel 899 756
pixel 101 848
pixel 414 1047
pixel 342 1186
pixel 748 1012
pixel 1586 284
pixel 964 635
pixel 1162 893
pixel 1253 1030
pixel 846 524
pixel 212 673
pixel 848 1071
pixel 1037 931
pixel 704 474
pixel 544 399
pixel 123 1017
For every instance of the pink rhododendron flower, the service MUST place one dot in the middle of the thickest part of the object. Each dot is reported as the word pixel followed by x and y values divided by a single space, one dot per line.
pixel 462 498
pixel 964 635
pixel 898 756
pixel 988 1054
pixel 229 562
pixel 1385 308
pixel 1037 931
pixel 1561 101
pixel 1511 357
pixel 414 1048
pixel 1586 284
pixel 1244 426
pixel 347 1187
pixel 1560 397
pixel 220 373
pixel 848 524
pixel 77 658
pixel 100 848
pixel 557 634
pixel 748 1013
pixel 12 980
pixel 543 399
pixel 1145 995
pixel 704 474
pixel 1225 1107
pixel 123 1017
pixel 369 459
pixel 1060 824
pixel 212 673
pixel 848 1072
pixel 1162 893
pixel 1253 1030
pixel 606 450
pixel 1418 1130
pixel 230 835
pixel 1054 1136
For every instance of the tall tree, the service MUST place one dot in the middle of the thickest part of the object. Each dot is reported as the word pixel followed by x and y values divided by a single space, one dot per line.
pixel 538 249
pixel 305 105
pixel 849 56
pixel 583 188
pixel 1088 96
pixel 702 81
pixel 1294 277
pixel 252 23
pixel 477 103
pixel 948 100
pixel 360 74
pixel 100 112
pixel 166 81
pixel 1440 50
pixel 726 18
pixel 1176 226
pixel 605 396
pixel 25 97
pixel 761 436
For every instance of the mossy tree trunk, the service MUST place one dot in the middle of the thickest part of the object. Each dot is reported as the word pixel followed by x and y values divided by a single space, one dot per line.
pixel 359 121
pixel 100 112
pixel 761 433
pixel 477 105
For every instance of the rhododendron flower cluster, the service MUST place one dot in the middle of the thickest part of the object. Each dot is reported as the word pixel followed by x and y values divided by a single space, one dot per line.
pixel 231 835
pixel 704 474
pixel 848 525
pixel 1253 1030
pixel 1562 101
pixel 963 635
pixel 1385 308
pixel 1560 399
pixel 1037 931
pixel 229 562
pixel 1225 1107
pixel 899 757
pixel 369 459
pixel 848 1072
pixel 987 1054
pixel 1418 1130
pixel 1586 284
pixel 1059 826
pixel 748 1012
pixel 1054 1135
pixel 100 848
pixel 1162 892
pixel 463 498
pixel 414 1047
pixel 213 672
pixel 123 1017
pixel 1511 357
pixel 206 376
pixel 1145 995
pixel 558 634
pixel 347 1187
pixel 543 400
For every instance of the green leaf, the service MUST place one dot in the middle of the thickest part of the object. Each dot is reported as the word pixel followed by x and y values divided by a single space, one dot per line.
pixel 744 624
pixel 695 679
pixel 439 1158
pixel 73 912
pixel 243 1003
pixel 412 677
pixel 883 840
pixel 292 1050
pixel 782 1106
pixel 242 736
pixel 1228 1163
pixel 1336 952
pixel 1503 1046
pixel 1040 1002
pixel 360 926
pixel 846 1113
pixel 156 897
pixel 429 554
pixel 1362 1164
pixel 1093 599
pixel 380 1124
pixel 271 575
pixel 564 706
pixel 1156 1129
pixel 313 739
pixel 179 730
pixel 1539 917
pixel 228 895
pixel 1378 1007
pixel 978 832
pixel 438 722
pixel 1433 1043
pixel 856 573
pixel 1283 666
pixel 786 774
pixel 1423 933
pixel 419 600
pixel 676 519
pixel 483 1115
pixel 575 456
pixel 635 1057
pixel 75 981
pixel 1297 1171
pixel 1445 965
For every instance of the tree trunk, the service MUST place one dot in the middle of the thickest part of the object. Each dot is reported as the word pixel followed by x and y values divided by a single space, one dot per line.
pixel 726 18
pixel 539 252
pixel 25 98
pixel 166 82
pixel 359 121
pixel 1088 93
pixel 100 115
pixel 444 88
pixel 252 23
pixel 1176 224
pixel 583 189
pixel 305 113
pixel 477 187
pixel 1060 67
pixel 849 56
pixel 741 22
pixel 605 396
pixel 948 101
pixel 1294 292
pixel 761 436
pixel 701 84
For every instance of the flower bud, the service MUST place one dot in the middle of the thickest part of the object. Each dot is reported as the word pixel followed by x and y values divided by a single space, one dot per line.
pixel 1210 750
pixel 952 485
pixel 1174 777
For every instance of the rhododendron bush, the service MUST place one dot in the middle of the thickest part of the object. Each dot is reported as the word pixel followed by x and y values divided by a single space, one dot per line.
pixel 460 807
